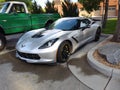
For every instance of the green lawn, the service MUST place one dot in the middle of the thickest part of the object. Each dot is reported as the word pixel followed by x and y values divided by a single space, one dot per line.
pixel 110 26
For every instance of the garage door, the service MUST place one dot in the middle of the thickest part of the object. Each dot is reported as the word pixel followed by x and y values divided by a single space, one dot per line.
pixel 112 11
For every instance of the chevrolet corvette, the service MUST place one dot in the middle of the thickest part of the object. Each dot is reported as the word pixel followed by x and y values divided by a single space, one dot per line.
pixel 58 41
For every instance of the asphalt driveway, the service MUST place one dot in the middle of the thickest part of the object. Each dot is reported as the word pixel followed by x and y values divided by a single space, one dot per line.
pixel 18 75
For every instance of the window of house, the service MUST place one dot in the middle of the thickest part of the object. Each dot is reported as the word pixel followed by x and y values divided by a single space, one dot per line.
pixel 112 8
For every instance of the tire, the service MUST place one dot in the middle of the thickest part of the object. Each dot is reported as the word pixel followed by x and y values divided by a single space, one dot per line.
pixel 97 35
pixel 2 42
pixel 64 52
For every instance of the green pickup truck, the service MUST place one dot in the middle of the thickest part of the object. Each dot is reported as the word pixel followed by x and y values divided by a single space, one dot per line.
pixel 15 18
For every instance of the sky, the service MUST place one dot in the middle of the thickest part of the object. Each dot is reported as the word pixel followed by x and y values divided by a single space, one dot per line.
pixel 42 2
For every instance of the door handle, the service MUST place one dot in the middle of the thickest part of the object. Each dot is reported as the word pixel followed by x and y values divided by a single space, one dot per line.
pixel 4 20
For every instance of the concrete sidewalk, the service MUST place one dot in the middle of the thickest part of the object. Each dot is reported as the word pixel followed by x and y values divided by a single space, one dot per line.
pixel 81 69
pixel 87 75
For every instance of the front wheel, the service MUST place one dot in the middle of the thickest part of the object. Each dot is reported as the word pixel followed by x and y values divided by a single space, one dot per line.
pixel 2 42
pixel 64 52
pixel 97 35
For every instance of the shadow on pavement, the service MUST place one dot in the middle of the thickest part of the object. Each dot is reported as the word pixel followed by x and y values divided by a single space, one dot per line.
pixel 82 64
pixel 11 43
pixel 44 72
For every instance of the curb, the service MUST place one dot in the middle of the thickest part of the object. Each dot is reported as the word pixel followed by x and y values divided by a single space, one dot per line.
pixel 106 70
pixel 77 77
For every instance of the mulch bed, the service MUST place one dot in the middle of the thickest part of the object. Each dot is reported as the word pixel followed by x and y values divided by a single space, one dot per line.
pixel 103 60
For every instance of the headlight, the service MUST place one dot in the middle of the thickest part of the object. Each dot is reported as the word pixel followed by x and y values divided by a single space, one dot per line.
pixel 48 44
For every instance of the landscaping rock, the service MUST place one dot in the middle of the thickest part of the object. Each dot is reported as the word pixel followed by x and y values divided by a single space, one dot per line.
pixel 117 56
pixel 111 52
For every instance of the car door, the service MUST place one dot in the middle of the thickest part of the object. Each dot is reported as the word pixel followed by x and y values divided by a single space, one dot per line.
pixel 77 34
pixel 17 20
pixel 86 29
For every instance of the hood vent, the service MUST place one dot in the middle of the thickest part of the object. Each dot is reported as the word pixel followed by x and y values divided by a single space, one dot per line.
pixel 37 35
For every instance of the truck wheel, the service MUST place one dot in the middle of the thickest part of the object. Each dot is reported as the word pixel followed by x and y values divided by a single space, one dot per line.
pixel 2 42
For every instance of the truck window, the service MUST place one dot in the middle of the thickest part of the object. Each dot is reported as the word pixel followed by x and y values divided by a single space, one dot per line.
pixel 4 7
pixel 17 8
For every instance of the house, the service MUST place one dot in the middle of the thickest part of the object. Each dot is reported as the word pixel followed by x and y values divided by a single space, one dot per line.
pixel 112 9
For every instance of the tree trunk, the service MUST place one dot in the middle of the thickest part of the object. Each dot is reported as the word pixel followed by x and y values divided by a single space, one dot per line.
pixel 116 36
pixel 106 13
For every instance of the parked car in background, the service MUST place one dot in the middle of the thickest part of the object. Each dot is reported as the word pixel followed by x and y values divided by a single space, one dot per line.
pixel 58 41
pixel 15 18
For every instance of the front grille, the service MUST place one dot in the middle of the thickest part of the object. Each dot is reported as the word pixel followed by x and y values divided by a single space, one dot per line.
pixel 28 55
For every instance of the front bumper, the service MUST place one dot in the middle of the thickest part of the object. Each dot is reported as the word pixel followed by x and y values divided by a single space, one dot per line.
pixel 43 56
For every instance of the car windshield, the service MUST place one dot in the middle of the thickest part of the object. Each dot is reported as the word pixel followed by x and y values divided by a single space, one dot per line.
pixel 4 7
pixel 65 24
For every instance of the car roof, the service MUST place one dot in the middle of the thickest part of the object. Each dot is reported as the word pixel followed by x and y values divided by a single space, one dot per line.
pixel 69 18
pixel 16 2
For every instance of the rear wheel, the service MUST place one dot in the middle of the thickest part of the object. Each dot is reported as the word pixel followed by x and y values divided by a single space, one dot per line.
pixel 2 42
pixel 64 52
pixel 98 33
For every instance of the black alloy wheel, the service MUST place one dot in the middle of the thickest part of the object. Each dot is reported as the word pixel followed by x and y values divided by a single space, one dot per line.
pixel 64 52
pixel 98 33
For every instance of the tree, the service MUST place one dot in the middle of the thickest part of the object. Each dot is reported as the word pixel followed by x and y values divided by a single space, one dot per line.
pixel 36 9
pixel 2 1
pixel 50 7
pixel 69 9
pixel 106 3
pixel 90 5
pixel 116 36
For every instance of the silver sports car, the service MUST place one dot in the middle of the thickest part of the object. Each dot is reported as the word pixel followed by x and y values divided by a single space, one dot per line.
pixel 57 42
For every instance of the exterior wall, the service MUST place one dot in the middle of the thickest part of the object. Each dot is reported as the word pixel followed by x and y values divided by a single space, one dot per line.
pixel 112 9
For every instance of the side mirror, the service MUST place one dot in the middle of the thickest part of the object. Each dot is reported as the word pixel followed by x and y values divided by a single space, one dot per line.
pixel 13 13
pixel 88 26
pixel 82 28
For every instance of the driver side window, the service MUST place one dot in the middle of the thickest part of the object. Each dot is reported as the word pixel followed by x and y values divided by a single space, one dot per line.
pixel 83 24
pixel 16 8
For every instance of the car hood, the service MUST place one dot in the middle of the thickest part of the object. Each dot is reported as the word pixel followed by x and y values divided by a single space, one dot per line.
pixel 33 40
